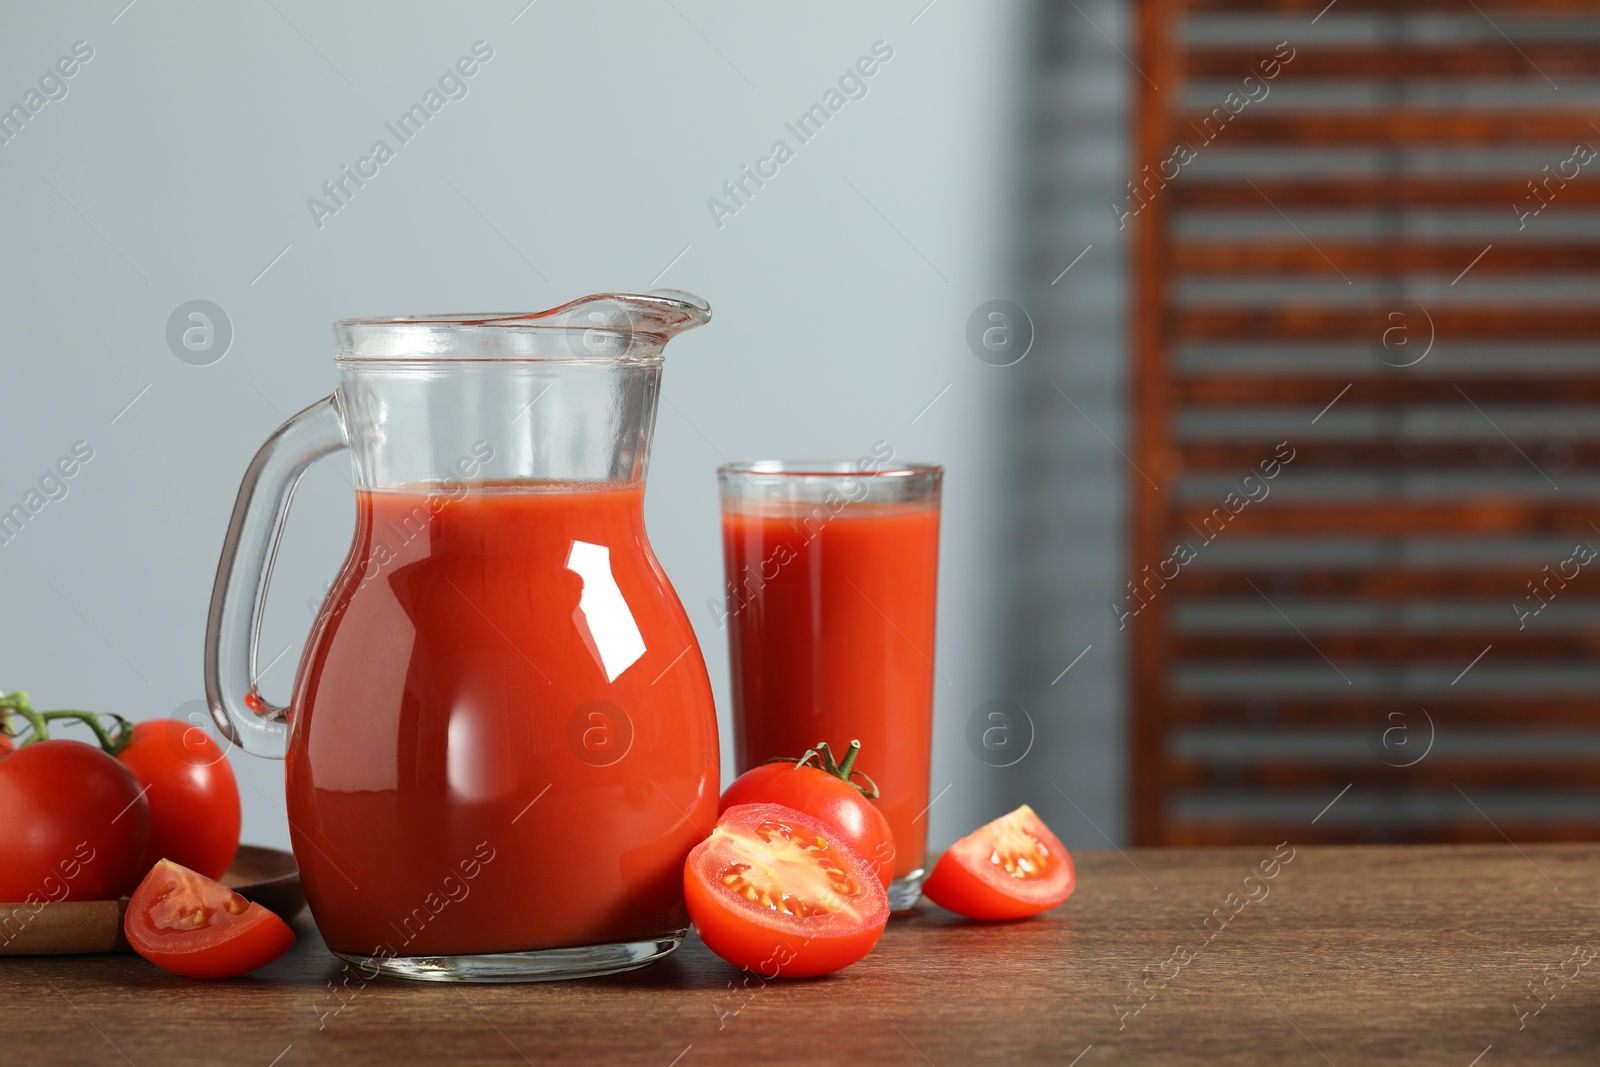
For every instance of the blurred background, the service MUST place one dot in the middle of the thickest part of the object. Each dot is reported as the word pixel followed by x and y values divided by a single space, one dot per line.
pixel 1320 380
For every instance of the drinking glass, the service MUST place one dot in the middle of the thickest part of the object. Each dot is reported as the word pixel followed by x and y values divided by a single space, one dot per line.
pixel 832 579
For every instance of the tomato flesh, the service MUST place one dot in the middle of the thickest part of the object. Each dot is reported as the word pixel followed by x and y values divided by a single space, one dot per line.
pixel 823 796
pixel 188 924
pixel 1012 868
pixel 779 892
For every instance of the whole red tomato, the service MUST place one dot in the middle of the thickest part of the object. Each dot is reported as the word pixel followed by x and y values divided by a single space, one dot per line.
pixel 74 827
pixel 824 792
pixel 194 799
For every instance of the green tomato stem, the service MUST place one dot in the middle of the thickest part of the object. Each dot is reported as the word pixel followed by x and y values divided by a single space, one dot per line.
pixel 843 770
pixel 19 703
pixel 849 760
pixel 38 722
pixel 113 744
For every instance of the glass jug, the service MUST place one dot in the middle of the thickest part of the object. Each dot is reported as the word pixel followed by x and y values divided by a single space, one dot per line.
pixel 501 743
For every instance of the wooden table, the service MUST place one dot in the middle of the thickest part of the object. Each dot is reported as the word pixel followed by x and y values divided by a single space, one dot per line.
pixel 1347 956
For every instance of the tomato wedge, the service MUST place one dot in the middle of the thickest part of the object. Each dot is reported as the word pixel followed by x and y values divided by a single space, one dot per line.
pixel 780 893
pixel 1012 868
pixel 186 923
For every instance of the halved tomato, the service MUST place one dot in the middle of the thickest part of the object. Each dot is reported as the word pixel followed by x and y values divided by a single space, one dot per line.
pixel 1012 868
pixel 186 923
pixel 778 892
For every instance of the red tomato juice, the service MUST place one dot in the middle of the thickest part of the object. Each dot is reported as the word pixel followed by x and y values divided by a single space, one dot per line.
pixel 502 732
pixel 831 638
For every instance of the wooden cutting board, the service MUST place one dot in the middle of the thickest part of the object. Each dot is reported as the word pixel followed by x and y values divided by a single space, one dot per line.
pixel 265 876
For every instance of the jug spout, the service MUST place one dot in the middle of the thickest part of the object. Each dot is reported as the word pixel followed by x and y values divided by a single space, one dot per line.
pixel 601 326
pixel 654 317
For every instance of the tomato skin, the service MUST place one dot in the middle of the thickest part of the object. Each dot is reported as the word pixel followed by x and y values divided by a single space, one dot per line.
pixel 761 939
pixel 967 881
pixel 188 924
pixel 194 799
pixel 74 825
pixel 822 796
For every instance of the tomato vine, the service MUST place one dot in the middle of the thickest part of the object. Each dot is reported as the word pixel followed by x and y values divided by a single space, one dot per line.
pixel 38 723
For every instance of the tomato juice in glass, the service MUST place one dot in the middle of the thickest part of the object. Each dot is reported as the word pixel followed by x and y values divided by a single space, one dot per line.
pixel 832 578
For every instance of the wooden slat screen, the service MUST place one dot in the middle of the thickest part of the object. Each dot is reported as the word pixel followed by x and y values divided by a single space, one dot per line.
pixel 1364 590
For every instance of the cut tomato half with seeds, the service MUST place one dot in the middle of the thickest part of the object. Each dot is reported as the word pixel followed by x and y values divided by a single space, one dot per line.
pixel 1012 868
pixel 778 892
pixel 186 923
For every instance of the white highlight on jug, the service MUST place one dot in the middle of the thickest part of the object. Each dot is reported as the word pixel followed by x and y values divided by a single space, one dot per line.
pixel 613 633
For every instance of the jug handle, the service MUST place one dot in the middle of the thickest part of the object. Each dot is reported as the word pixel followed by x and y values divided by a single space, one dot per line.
pixel 233 626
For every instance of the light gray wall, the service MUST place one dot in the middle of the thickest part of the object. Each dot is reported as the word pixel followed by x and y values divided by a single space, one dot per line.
pixel 178 167
pixel 1060 654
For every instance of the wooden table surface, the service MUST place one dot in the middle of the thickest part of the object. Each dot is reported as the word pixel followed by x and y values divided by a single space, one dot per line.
pixel 1414 955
